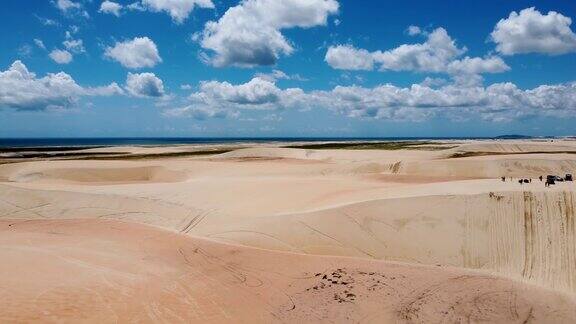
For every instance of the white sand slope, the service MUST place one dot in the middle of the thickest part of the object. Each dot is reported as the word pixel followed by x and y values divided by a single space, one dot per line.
pixel 524 235
pixel 107 271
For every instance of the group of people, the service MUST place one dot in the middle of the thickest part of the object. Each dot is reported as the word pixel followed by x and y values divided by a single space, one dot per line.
pixel 549 180
pixel 523 181
pixel 520 181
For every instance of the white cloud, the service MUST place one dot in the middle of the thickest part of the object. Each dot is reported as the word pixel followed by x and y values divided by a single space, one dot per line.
pixel 144 85
pixel 273 76
pixel 438 54
pixel 222 99
pixel 434 55
pixel 39 43
pixel 111 7
pixel 200 112
pixel 532 32
pixel 413 30
pixel 430 56
pixel 135 6
pixel 256 93
pixel 249 34
pixel 74 45
pixel 22 90
pixel 346 57
pixel 109 90
pixel 138 53
pixel 66 5
pixel 501 101
pixel 433 82
pixel 61 56
pixel 276 75
pixel 433 97
pixel 477 65
pixel 71 8
pixel 179 10
pixel 186 87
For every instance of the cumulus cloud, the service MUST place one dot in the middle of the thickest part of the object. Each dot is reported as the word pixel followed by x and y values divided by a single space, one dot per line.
pixel 477 65
pixel 22 90
pixel 223 99
pixel 144 85
pixel 433 55
pixel 257 93
pixel 110 90
pixel 179 10
pixel 529 31
pixel 346 57
pixel 438 54
pixel 433 97
pixel 433 82
pixel 70 7
pixel 111 7
pixel 61 56
pixel 500 101
pixel 64 56
pixel 138 53
pixel 430 56
pixel 249 34
pixel 67 5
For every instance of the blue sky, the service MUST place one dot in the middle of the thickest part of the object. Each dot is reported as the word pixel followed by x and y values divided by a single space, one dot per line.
pixel 92 68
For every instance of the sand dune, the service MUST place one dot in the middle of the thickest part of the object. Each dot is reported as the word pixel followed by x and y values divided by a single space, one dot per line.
pixel 93 173
pixel 107 271
pixel 442 217
pixel 529 165
pixel 524 235
pixel 517 146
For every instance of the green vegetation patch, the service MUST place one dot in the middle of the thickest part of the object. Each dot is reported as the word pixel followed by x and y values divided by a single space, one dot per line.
pixel 157 155
pixel 471 154
pixel 389 146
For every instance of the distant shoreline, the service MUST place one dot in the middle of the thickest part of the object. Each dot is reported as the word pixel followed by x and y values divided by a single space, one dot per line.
pixel 162 141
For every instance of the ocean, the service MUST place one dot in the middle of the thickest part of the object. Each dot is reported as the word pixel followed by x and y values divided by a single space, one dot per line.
pixel 159 141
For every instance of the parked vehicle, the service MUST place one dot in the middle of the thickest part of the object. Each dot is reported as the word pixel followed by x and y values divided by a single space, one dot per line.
pixel 568 177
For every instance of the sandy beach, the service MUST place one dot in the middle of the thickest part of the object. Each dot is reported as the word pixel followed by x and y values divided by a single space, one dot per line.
pixel 423 232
